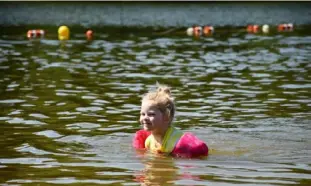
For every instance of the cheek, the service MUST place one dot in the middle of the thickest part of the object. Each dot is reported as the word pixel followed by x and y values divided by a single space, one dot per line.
pixel 156 119
pixel 151 119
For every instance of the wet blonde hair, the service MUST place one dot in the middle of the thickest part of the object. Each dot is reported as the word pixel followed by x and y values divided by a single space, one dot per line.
pixel 163 100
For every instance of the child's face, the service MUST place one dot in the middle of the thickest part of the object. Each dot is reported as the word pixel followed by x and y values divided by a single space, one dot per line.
pixel 152 118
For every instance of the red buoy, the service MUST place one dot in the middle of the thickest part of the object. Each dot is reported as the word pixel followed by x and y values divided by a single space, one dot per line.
pixel 89 34
pixel 252 28
pixel 35 33
pixel 207 30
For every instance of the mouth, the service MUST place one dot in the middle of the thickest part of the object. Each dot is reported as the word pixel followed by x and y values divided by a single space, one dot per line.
pixel 147 125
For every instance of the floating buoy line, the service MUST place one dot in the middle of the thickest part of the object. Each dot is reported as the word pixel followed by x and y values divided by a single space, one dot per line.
pixel 195 31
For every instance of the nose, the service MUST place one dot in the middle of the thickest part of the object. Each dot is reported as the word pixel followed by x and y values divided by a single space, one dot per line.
pixel 145 117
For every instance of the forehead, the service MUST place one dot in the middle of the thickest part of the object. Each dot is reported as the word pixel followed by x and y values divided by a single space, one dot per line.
pixel 148 105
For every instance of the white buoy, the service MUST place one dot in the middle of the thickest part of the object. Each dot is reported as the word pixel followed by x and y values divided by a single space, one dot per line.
pixel 290 26
pixel 212 29
pixel 190 31
pixel 265 29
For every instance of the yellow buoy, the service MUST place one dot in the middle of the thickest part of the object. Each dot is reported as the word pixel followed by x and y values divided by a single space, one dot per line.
pixel 63 33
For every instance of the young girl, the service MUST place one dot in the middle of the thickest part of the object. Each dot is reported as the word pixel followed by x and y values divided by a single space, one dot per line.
pixel 158 135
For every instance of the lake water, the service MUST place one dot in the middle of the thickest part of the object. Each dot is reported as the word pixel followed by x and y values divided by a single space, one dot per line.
pixel 69 110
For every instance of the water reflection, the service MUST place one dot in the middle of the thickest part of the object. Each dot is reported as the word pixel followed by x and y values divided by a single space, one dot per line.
pixel 164 170
pixel 159 170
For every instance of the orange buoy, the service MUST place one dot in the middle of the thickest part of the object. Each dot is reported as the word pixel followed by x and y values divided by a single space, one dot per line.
pixel 285 27
pixel 249 28
pixel 255 28
pixel 35 33
pixel 89 34
pixel 282 27
pixel 252 28
pixel 207 30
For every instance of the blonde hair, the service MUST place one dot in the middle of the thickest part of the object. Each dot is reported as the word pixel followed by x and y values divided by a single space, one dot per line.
pixel 163 100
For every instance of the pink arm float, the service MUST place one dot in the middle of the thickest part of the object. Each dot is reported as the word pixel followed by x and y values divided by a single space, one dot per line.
pixel 188 146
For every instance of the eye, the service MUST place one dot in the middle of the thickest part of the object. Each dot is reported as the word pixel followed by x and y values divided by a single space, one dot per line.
pixel 151 114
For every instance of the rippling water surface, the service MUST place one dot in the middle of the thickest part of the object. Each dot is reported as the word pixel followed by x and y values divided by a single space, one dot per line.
pixel 69 109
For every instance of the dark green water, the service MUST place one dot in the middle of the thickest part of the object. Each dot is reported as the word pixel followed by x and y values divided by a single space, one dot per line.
pixel 68 110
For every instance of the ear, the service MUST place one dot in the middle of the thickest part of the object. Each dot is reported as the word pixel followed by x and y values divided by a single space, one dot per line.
pixel 166 118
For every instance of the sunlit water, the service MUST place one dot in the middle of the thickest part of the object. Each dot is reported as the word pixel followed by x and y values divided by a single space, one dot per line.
pixel 69 109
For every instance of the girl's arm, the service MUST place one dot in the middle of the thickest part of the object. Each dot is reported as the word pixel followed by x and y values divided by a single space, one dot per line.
pixel 140 138
pixel 189 146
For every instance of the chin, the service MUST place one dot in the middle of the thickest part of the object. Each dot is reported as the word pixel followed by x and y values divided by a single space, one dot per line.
pixel 147 128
